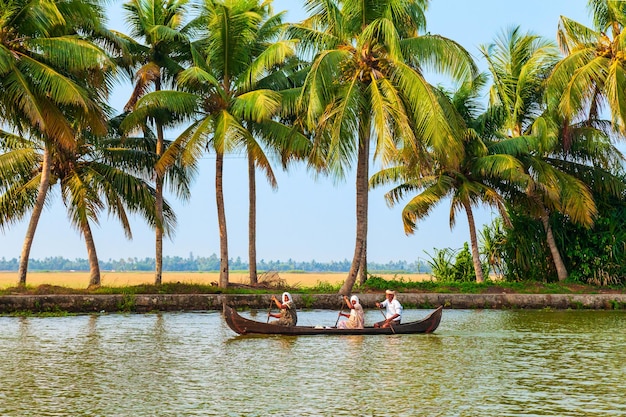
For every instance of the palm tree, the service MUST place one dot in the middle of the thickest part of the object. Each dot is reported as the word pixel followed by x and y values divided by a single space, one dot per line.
pixel 270 139
pixel 160 24
pixel 593 71
pixel 466 184
pixel 51 75
pixel 542 140
pixel 94 175
pixel 492 241
pixel 519 65
pixel 366 84
pixel 229 94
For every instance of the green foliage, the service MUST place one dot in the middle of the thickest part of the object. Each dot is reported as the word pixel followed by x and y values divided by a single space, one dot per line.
pixel 598 255
pixel 595 255
pixel 492 239
pixel 441 264
pixel 464 266
pixel 376 283
pixel 127 303
pixel 445 270
pixel 525 252
pixel 323 287
pixel 307 300
pixel 617 305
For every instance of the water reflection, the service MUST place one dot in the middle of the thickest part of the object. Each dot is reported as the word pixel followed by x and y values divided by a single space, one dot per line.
pixel 478 363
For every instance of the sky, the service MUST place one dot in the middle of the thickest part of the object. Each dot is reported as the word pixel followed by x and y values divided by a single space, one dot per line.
pixel 306 218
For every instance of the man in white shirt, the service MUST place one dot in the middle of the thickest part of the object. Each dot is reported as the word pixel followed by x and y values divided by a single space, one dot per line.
pixel 393 313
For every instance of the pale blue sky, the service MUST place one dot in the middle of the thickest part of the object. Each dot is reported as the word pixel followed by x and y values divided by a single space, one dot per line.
pixel 304 219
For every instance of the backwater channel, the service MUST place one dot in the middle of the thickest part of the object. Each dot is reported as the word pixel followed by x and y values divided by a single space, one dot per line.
pixel 477 363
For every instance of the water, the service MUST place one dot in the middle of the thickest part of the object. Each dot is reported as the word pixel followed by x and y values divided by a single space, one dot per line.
pixel 478 363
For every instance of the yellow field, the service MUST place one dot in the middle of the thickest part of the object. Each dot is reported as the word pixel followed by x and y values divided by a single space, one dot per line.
pixel 122 279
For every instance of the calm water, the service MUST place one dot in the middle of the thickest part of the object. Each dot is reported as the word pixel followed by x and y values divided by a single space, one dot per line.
pixel 478 363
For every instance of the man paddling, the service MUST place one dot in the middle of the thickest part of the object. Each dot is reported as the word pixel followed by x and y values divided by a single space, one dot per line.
pixel 393 313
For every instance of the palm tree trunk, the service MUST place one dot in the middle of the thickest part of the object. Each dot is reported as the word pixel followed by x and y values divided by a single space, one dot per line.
pixel 158 257
pixel 221 218
pixel 561 270
pixel 359 260
pixel 252 222
pixel 478 268
pixel 363 266
pixel 94 267
pixel 158 270
pixel 34 219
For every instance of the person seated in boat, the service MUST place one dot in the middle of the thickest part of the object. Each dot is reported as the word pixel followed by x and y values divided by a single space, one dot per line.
pixel 393 313
pixel 356 318
pixel 287 315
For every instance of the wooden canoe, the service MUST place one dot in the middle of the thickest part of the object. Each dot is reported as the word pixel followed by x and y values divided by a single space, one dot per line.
pixel 243 325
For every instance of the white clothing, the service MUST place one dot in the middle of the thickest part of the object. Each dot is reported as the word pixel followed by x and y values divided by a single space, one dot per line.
pixel 357 316
pixel 392 308
pixel 289 297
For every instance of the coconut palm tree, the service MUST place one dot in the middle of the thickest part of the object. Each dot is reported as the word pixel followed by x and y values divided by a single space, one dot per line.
pixel 466 184
pixel 492 241
pixel 230 97
pixel 366 84
pixel 94 175
pixel 559 173
pixel 53 78
pixel 160 25
pixel 270 139
pixel 519 65
pixel 593 71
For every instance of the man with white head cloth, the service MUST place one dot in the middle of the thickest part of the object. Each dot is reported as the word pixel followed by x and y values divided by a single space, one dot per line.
pixel 287 315
pixel 356 318
pixel 393 313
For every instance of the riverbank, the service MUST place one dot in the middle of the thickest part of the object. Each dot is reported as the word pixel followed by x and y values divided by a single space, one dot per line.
pixel 144 303
pixel 65 292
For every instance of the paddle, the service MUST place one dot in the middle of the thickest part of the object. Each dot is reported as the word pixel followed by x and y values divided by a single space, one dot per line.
pixel 390 325
pixel 269 310
pixel 340 311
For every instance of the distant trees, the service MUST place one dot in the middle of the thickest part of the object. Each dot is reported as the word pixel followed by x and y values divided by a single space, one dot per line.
pixel 207 264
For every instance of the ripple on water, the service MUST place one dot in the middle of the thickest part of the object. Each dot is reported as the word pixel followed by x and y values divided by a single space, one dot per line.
pixel 478 363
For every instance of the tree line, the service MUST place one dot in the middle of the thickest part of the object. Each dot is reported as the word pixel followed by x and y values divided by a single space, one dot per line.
pixel 329 92
pixel 208 264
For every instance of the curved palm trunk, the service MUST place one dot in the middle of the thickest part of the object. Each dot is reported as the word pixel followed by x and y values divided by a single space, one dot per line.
pixel 94 266
pixel 252 222
pixel 561 270
pixel 34 219
pixel 478 268
pixel 221 219
pixel 363 266
pixel 359 260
